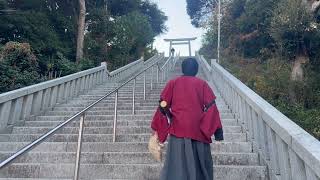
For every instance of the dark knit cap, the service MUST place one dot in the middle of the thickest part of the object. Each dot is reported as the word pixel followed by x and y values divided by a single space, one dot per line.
pixel 190 67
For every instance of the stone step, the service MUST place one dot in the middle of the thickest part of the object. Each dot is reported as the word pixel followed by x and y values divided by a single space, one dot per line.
pixel 34 179
pixel 127 100
pixel 111 108
pixel 229 137
pixel 120 98
pixel 128 95
pixel 127 92
pixel 127 89
pixel 227 147
pixel 123 94
pixel 111 104
pixel 124 158
pixel 125 104
pixel 109 112
pixel 122 171
pixel 102 121
pixel 122 112
pixel 224 117
pixel 103 130
pixel 81 103
pixel 120 103
pixel 139 84
pixel 124 99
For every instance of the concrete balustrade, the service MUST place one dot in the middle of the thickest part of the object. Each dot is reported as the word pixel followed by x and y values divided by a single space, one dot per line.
pixel 289 152
pixel 22 104
pixel 126 71
pixel 26 103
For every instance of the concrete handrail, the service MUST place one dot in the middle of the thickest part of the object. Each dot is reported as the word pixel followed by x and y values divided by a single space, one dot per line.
pixel 129 69
pixel 153 59
pixel 25 103
pixel 125 67
pixel 287 150
pixel 45 85
pixel 22 104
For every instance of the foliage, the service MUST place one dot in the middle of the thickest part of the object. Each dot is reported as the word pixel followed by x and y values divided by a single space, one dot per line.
pixel 18 66
pixel 290 24
pixel 100 33
pixel 134 32
pixel 270 80
pixel 259 40
pixel 155 17
pixel 200 10
pixel 118 31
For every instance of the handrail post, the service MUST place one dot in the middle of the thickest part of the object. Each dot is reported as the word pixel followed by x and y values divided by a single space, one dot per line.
pixel 115 117
pixel 144 85
pixel 151 83
pixel 162 75
pixel 167 73
pixel 78 156
pixel 157 75
pixel 133 96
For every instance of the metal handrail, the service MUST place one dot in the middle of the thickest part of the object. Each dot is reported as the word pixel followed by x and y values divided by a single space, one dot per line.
pixel 81 114
pixel 112 73
pixel 166 62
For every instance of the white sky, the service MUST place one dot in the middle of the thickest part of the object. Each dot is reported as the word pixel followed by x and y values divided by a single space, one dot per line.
pixel 179 26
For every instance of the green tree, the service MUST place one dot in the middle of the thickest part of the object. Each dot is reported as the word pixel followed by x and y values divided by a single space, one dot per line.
pixel 133 34
pixel 18 66
pixel 200 11
pixel 50 27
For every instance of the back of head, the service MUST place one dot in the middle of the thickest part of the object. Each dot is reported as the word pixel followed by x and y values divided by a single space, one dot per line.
pixel 190 67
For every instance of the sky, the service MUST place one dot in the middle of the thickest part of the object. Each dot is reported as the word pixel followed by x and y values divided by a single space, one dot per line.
pixel 179 26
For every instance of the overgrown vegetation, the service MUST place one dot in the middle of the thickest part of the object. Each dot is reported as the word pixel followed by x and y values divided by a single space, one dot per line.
pixel 39 37
pixel 273 47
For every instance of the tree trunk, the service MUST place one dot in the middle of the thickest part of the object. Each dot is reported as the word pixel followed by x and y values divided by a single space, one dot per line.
pixel 297 75
pixel 315 6
pixel 312 5
pixel 81 28
pixel 297 70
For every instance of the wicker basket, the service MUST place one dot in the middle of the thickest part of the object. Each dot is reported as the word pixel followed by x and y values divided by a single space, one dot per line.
pixel 155 148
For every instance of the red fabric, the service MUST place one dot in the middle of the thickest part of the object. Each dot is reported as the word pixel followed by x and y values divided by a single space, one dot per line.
pixel 187 96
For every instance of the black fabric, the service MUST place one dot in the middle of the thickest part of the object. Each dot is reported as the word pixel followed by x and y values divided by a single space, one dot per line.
pixel 190 67
pixel 187 159
pixel 218 135
pixel 209 105
pixel 165 111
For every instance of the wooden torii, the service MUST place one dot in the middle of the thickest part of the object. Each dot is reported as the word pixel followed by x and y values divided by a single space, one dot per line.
pixel 180 41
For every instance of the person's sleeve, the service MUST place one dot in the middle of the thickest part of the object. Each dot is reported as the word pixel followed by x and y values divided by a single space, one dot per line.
pixel 159 122
pixel 160 125
pixel 211 122
pixel 166 94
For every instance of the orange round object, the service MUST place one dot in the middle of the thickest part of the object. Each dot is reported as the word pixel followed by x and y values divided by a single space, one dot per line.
pixel 163 104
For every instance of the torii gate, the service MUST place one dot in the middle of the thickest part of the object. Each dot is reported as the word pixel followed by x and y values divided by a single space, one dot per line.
pixel 180 41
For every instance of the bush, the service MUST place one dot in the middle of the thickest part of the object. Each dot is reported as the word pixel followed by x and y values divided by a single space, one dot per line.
pixel 85 64
pixel 18 66
pixel 64 65
pixel 270 80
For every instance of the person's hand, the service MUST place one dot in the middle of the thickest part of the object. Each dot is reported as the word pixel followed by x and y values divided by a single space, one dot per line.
pixel 154 133
pixel 161 145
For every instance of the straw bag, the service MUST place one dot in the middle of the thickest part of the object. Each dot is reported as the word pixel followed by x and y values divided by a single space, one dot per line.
pixel 155 148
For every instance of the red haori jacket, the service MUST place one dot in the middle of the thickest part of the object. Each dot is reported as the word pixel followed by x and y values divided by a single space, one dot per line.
pixel 186 97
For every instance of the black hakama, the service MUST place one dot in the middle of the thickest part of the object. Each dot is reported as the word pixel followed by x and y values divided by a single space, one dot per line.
pixel 187 159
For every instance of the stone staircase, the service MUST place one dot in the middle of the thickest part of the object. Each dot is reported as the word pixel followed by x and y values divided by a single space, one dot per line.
pixel 128 158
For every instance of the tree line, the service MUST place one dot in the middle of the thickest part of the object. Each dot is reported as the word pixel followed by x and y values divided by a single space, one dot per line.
pixel 40 37
pixel 271 45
